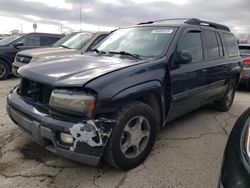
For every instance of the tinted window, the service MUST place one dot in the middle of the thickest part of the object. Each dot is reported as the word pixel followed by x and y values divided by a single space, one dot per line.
pixel 232 45
pixel 192 43
pixel 48 40
pixel 30 40
pixel 212 45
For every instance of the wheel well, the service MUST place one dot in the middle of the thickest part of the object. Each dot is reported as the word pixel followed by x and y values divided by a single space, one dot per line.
pixel 3 60
pixel 154 102
pixel 236 77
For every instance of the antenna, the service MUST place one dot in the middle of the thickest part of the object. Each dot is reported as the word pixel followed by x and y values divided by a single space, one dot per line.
pixel 21 25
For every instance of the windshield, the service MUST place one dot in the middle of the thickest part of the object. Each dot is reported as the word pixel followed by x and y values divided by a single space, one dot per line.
pixel 62 40
pixel 143 41
pixel 74 40
pixel 9 39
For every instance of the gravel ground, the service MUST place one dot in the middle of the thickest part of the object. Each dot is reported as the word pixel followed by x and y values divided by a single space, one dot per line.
pixel 187 153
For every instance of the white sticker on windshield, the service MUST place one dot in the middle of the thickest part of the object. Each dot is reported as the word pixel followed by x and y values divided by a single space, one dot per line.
pixel 162 31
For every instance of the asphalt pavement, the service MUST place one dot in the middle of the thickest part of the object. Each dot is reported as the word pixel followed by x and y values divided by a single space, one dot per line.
pixel 188 153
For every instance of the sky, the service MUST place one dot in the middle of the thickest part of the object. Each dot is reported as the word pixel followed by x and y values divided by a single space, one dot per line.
pixel 56 16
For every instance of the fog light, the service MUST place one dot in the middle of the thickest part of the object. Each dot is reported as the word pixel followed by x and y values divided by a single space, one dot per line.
pixel 66 138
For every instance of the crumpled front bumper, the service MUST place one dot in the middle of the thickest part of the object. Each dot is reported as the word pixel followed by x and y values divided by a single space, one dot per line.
pixel 90 137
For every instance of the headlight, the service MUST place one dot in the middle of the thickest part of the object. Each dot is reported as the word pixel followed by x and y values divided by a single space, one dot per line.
pixel 73 101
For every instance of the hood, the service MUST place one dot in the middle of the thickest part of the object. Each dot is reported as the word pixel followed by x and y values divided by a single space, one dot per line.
pixel 75 71
pixel 52 51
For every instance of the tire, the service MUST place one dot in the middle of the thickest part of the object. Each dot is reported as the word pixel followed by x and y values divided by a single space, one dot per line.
pixel 120 151
pixel 226 102
pixel 4 70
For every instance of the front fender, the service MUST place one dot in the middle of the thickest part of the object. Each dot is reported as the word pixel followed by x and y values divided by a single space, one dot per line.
pixel 138 91
pixel 133 93
pixel 237 69
pixel 5 59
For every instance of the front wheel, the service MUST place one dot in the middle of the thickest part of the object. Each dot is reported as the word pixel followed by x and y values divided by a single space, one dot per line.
pixel 226 102
pixel 133 137
pixel 4 70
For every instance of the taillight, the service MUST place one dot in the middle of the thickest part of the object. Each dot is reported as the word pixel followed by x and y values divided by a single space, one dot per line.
pixel 246 62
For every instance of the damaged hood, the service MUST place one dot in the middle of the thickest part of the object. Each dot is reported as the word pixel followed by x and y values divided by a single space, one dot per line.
pixel 75 71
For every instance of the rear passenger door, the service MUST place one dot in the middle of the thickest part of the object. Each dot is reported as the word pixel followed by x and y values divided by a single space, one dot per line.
pixel 188 79
pixel 217 66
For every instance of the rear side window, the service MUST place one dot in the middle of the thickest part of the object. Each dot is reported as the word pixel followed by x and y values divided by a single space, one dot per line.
pixel 48 40
pixel 231 45
pixel 30 40
pixel 213 51
pixel 192 43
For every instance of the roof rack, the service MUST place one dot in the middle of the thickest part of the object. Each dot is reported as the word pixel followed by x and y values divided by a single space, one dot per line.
pixel 192 21
pixel 195 21
pixel 171 19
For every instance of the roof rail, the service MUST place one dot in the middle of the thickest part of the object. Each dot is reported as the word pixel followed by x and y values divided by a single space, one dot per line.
pixel 171 19
pixel 192 21
pixel 195 21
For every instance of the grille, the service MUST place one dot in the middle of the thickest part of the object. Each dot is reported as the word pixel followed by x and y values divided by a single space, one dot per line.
pixel 23 59
pixel 34 91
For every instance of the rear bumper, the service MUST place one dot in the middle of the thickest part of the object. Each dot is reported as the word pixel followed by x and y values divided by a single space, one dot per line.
pixel 44 130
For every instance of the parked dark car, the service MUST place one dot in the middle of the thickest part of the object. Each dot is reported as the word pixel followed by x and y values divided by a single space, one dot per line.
pixel 245 54
pixel 110 102
pixel 236 165
pixel 15 43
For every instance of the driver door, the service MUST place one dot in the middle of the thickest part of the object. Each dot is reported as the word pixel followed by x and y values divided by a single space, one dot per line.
pixel 29 42
pixel 188 78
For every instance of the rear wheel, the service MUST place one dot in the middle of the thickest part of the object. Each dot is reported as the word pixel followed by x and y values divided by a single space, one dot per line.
pixel 133 137
pixel 226 102
pixel 4 70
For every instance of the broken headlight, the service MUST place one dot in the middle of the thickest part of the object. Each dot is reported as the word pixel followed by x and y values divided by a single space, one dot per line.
pixel 75 101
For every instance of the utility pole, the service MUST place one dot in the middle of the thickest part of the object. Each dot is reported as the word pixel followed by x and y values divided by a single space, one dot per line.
pixel 80 18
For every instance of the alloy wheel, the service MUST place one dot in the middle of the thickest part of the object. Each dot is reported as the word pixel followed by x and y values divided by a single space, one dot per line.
pixel 135 137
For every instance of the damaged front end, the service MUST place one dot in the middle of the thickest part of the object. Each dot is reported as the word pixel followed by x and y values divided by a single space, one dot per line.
pixel 91 133
pixel 82 141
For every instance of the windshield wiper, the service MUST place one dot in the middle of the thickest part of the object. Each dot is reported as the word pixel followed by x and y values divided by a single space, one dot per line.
pixel 97 51
pixel 64 46
pixel 137 56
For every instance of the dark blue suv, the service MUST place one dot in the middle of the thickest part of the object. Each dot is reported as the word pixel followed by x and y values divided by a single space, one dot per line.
pixel 111 101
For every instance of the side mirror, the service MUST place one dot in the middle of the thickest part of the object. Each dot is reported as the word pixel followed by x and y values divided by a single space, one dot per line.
pixel 184 57
pixel 18 44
